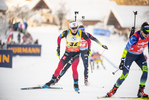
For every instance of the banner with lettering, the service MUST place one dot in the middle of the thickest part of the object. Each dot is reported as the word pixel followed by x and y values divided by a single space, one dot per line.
pixel 6 58
pixel 25 50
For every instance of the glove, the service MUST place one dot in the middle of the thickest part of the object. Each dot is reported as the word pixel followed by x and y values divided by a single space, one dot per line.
pixel 89 52
pixel 105 47
pixel 121 66
pixel 58 51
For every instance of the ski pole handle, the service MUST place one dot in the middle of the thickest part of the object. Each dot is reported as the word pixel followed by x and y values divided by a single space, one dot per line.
pixel 115 72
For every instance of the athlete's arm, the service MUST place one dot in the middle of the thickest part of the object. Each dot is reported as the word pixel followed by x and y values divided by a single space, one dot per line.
pixel 87 39
pixel 132 40
pixel 62 35
pixel 93 38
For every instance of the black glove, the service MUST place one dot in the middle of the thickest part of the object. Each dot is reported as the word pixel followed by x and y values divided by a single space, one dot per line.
pixel 121 66
pixel 105 47
pixel 58 51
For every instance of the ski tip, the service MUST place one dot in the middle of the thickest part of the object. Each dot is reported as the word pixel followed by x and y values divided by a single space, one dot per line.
pixel 101 97
pixel 41 87
pixel 61 88
pixel 23 89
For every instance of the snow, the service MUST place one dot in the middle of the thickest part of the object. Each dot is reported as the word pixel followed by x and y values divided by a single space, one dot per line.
pixel 33 71
pixel 123 12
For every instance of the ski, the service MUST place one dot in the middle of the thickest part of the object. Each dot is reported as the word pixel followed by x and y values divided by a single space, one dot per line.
pixel 40 87
pixel 102 97
pixel 147 98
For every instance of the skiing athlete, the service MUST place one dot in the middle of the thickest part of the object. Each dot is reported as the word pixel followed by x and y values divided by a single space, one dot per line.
pixel 84 55
pixel 134 52
pixel 73 39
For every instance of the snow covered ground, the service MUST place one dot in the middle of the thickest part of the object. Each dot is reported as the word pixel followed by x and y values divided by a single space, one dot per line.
pixel 32 71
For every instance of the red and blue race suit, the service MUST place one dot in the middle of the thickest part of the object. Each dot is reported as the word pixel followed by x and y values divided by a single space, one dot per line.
pixel 84 55
pixel 72 50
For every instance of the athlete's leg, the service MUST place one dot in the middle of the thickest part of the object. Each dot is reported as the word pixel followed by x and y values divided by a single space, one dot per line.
pixel 63 71
pixel 65 58
pixel 142 63
pixel 128 61
pixel 84 57
pixel 74 66
pixel 75 72
pixel 97 65
pixel 65 68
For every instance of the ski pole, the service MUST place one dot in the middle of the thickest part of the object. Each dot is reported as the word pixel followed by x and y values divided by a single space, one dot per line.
pixel 76 12
pixel 115 72
pixel 83 17
pixel 91 66
pixel 103 52
pixel 133 28
pixel 135 13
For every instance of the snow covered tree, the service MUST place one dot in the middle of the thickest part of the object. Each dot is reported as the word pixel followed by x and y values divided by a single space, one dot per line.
pixel 61 13
pixel 17 12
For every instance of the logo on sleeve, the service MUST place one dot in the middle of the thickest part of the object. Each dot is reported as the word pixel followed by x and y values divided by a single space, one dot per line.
pixel 64 57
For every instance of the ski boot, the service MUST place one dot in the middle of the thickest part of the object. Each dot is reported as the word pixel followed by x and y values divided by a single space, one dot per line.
pixel 141 92
pixel 76 86
pixel 57 79
pixel 52 81
pixel 112 92
pixel 86 81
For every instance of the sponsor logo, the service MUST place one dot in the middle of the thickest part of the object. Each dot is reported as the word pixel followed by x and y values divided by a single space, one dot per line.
pixel 25 49
pixel 144 62
pixel 74 25
pixel 74 38
pixel 146 27
pixel 143 43
pixel 4 58
pixel 66 54
pixel 64 58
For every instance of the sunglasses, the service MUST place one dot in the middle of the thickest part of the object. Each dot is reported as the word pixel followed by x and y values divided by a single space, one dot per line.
pixel 145 32
pixel 74 28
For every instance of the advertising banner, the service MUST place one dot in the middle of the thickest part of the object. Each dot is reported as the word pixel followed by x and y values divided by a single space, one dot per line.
pixel 6 58
pixel 25 50
pixel 104 32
